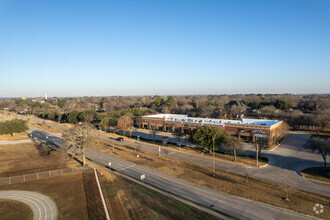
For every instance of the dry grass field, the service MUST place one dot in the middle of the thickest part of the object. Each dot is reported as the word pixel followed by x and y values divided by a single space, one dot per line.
pixel 234 184
pixel 14 137
pixel 26 156
pixel 44 127
pixel 244 161
pixel 66 191
pixel 129 200
pixel 8 210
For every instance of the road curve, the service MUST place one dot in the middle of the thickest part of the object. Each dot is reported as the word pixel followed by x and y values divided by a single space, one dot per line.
pixel 42 206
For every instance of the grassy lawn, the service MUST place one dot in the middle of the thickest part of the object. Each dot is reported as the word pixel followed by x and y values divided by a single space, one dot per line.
pixel 234 184
pixel 129 200
pixel 317 173
pixel 8 210
pixel 16 157
pixel 66 191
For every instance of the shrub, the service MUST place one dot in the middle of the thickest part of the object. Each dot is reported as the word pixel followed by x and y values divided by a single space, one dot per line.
pixel 13 126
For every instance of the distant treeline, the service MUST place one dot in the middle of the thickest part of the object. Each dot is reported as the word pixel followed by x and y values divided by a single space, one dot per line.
pixel 299 111
pixel 105 120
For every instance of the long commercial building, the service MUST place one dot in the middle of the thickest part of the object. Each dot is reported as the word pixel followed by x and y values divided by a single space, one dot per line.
pixel 247 129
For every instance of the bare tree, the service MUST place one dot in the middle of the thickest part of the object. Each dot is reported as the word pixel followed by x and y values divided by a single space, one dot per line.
pixel 287 186
pixel 78 138
pixel 248 174
pixel 321 145
pixel 178 134
pixel 261 143
pixel 125 122
pixel 233 143
pixel 137 148
pixel 154 131
pixel 130 131
pixel 166 151
pixel 175 163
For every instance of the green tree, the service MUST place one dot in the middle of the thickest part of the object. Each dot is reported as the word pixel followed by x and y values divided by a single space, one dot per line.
pixel 36 105
pixel 87 115
pixel 61 103
pixel 102 101
pixel 73 116
pixel 171 101
pixel 283 104
pixel 204 135
pixel 13 126
pixel 158 101
pixel 51 114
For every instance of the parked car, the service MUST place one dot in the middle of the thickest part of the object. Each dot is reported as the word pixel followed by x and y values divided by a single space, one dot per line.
pixel 120 139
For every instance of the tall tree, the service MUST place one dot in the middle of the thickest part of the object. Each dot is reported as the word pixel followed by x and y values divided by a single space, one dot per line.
pixel 78 138
pixel 321 145
pixel 73 116
pixel 204 135
pixel 125 122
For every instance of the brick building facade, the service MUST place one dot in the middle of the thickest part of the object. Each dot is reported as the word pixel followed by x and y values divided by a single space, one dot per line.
pixel 245 129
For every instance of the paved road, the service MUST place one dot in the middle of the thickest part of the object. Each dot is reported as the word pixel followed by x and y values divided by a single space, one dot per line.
pixel 42 206
pixel 235 206
pixel 286 161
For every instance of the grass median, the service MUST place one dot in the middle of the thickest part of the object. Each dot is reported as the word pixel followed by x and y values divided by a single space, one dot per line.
pixel 129 200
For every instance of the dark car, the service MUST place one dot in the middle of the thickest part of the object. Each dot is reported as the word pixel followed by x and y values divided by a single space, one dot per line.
pixel 120 139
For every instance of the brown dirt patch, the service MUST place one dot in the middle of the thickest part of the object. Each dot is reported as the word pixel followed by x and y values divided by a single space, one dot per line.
pixel 66 191
pixel 15 137
pixel 26 156
pixel 8 210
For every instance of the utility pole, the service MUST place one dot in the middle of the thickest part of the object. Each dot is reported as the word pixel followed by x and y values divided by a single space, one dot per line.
pixel 257 151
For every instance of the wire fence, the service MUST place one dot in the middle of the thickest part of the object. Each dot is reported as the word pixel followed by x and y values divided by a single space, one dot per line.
pixel 38 175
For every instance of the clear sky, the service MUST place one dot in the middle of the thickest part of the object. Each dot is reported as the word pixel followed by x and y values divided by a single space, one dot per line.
pixel 88 48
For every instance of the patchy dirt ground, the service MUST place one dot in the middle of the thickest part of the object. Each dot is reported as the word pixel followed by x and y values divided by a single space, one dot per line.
pixel 23 157
pixel 66 191
pixel 8 210
pixel 14 137
pixel 129 200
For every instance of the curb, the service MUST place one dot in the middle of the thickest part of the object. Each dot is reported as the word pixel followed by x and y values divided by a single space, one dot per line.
pixel 313 180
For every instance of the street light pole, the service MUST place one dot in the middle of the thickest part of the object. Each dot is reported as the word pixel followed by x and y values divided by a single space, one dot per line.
pixel 213 140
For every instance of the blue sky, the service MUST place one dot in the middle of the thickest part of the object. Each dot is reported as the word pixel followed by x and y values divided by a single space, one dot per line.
pixel 88 48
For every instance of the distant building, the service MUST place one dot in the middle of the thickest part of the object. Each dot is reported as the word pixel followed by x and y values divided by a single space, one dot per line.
pixel 246 129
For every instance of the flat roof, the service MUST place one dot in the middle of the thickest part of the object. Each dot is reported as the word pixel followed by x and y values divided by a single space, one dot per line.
pixel 214 121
